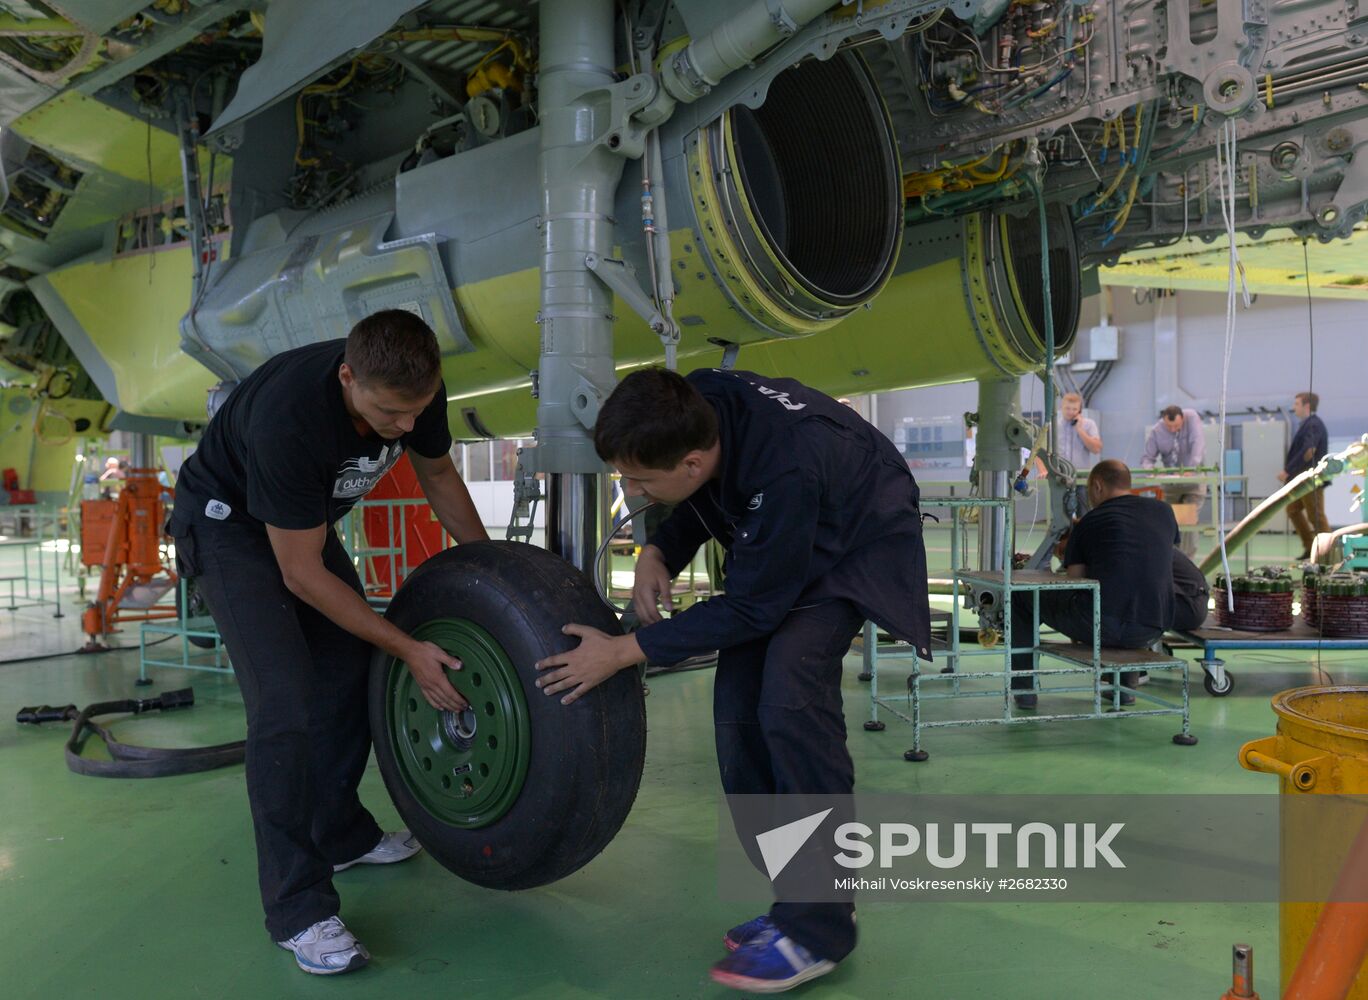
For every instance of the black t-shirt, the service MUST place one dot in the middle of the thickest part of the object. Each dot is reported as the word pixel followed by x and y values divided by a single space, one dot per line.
pixel 283 450
pixel 1127 545
pixel 1190 593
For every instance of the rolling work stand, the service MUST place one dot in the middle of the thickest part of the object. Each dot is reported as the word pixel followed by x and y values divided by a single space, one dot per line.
pixel 1099 667
pixel 1211 638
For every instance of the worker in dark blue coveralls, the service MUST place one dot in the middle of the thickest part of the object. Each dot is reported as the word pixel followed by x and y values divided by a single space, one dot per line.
pixel 818 513
pixel 298 443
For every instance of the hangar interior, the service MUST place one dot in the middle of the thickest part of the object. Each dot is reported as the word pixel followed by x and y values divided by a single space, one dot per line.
pixel 1032 262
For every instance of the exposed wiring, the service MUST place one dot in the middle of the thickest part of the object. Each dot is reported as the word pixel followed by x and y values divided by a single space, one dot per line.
pixel 953 60
pixel 1087 158
pixel 1035 512
pixel 1117 128
pixel 1310 318
pixel 926 22
pixel 959 177
pixel 1183 187
pixel 1227 160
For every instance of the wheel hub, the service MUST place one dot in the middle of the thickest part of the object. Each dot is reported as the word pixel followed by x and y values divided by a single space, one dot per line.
pixel 459 728
pixel 466 768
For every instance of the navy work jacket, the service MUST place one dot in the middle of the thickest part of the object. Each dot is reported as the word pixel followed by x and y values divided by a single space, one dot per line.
pixel 1308 447
pixel 812 504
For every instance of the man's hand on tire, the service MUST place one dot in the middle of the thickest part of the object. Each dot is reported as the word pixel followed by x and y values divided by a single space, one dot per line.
pixel 429 663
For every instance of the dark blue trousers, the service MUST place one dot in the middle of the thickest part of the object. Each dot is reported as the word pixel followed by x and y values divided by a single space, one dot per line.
pixel 781 730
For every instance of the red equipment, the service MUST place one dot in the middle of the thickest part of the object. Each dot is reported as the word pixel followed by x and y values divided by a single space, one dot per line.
pixel 9 480
pixel 125 536
pixel 409 528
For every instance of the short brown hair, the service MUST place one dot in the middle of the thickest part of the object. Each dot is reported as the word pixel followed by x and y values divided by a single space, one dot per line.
pixel 1310 399
pixel 1111 475
pixel 653 419
pixel 1174 412
pixel 395 349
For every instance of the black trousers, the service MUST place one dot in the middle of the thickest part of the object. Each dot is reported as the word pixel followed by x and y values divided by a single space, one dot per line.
pixel 303 682
pixel 1069 611
pixel 781 730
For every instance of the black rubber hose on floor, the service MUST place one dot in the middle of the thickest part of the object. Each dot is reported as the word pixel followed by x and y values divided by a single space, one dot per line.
pixel 81 652
pixel 127 760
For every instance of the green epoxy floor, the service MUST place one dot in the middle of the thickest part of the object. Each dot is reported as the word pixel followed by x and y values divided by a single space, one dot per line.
pixel 146 889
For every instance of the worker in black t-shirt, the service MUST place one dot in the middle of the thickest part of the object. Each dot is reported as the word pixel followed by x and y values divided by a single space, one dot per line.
pixel 819 516
pixel 1125 542
pixel 294 447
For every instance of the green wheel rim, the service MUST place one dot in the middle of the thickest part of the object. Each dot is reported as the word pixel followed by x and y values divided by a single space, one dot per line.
pixel 465 769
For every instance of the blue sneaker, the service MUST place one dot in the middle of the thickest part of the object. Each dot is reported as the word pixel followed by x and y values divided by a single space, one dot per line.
pixel 742 933
pixel 769 963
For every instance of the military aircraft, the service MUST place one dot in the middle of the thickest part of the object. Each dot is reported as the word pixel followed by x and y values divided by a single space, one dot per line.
pixel 863 194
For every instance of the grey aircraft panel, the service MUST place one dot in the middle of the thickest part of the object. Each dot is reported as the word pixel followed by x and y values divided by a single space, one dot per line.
pixel 474 199
pixel 701 16
pixel 295 51
pixel 19 94
pixel 97 15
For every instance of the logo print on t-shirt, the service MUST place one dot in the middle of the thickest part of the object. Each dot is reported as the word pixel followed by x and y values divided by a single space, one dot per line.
pixel 756 501
pixel 779 397
pixel 359 475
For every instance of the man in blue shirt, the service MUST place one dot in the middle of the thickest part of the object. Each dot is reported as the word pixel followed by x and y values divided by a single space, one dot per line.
pixel 818 513
pixel 1308 447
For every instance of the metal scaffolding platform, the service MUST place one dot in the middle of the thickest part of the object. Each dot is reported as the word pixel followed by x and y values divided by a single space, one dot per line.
pixel 1099 666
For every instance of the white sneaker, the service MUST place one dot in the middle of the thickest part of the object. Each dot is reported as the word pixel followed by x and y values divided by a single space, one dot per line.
pixel 327 948
pixel 397 846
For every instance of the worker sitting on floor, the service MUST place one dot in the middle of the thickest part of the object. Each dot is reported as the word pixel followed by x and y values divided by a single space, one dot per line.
pixel 297 444
pixel 1125 542
pixel 819 515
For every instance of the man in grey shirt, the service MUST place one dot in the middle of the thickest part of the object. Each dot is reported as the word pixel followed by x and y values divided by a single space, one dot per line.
pixel 1076 436
pixel 1076 440
pixel 1177 441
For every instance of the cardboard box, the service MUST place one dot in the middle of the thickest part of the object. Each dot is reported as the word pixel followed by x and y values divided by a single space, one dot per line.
pixel 1186 513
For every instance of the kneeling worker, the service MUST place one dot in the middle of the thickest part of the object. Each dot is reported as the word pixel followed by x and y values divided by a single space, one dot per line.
pixel 819 515
pixel 302 439
pixel 1125 542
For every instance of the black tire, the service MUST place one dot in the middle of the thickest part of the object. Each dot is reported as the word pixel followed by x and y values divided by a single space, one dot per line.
pixel 585 760
pixel 1209 683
